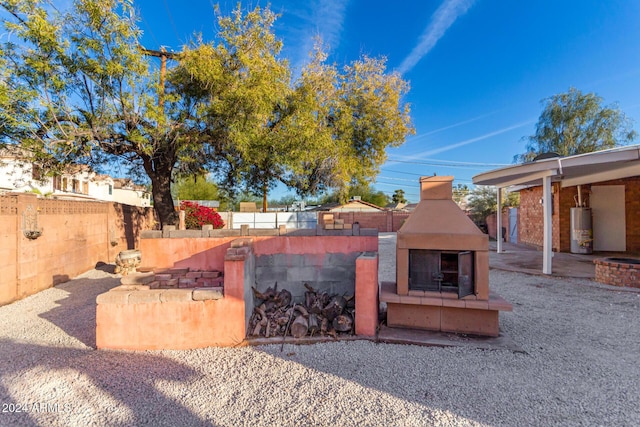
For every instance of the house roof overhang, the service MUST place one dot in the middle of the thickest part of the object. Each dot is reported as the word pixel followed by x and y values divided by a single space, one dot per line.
pixel 599 166
pixel 605 165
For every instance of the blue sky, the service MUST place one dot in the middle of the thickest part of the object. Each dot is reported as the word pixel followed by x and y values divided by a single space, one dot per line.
pixel 478 70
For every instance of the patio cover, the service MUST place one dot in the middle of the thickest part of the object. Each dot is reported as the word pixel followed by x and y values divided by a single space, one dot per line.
pixel 616 163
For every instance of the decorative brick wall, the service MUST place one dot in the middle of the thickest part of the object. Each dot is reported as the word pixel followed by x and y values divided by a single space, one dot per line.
pixel 530 225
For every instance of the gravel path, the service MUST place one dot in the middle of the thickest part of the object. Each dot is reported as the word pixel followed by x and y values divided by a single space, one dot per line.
pixel 580 367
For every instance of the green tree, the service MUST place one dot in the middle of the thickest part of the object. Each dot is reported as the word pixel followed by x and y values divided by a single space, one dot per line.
pixel 95 98
pixel 79 88
pixel 460 192
pixel 363 190
pixel 483 201
pixel 198 187
pixel 326 129
pixel 398 196
pixel 574 123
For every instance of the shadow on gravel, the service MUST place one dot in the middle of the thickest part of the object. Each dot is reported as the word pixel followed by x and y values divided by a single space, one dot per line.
pixel 122 387
pixel 107 268
pixel 76 313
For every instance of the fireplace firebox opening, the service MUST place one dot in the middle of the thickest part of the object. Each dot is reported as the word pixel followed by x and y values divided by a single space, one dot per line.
pixel 441 271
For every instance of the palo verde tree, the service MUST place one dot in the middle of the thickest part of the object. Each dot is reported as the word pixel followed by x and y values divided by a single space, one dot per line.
pixel 574 123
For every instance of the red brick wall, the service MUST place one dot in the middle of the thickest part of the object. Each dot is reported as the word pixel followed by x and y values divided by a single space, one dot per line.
pixel 617 273
pixel 564 200
pixel 632 201
pixel 530 219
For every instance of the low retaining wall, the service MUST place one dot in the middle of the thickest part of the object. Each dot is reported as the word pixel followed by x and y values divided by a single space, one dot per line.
pixel 141 318
pixel 618 271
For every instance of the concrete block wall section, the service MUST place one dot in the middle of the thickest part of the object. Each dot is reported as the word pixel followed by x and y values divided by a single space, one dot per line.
pixel 147 319
pixel 332 272
pixel 167 319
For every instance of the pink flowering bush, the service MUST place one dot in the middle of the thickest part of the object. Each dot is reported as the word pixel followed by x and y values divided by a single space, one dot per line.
pixel 196 216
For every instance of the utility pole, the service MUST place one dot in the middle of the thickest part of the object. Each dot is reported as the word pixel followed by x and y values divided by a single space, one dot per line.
pixel 163 55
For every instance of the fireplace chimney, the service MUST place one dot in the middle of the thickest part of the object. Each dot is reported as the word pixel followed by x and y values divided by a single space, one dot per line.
pixel 436 188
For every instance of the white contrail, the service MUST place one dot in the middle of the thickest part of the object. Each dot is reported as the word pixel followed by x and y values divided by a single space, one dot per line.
pixel 329 17
pixel 466 141
pixel 324 19
pixel 455 125
pixel 440 22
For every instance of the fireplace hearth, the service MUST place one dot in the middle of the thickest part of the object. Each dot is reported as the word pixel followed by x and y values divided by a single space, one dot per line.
pixel 442 273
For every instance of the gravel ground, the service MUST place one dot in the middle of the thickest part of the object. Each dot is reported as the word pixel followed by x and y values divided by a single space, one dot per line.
pixel 581 343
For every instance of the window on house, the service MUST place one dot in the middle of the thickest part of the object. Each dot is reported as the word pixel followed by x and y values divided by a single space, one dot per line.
pixel 110 189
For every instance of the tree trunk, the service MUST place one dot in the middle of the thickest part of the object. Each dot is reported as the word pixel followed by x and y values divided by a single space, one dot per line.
pixel 264 198
pixel 163 201
pixel 160 174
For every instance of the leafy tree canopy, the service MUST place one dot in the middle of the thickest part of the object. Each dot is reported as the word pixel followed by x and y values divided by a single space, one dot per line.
pixel 398 196
pixel 78 87
pixel 363 190
pixel 460 192
pixel 574 123
pixel 198 187
pixel 483 201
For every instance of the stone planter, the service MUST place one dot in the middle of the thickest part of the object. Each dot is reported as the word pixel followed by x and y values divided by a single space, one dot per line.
pixel 127 261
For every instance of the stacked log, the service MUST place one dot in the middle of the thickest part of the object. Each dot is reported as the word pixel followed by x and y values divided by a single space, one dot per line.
pixel 320 314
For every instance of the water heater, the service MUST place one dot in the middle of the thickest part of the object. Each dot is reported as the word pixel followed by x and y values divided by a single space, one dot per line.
pixel 581 231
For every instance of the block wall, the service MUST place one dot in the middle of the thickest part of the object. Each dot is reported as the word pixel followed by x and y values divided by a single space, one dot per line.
pixel 530 217
pixel 75 235
pixel 386 221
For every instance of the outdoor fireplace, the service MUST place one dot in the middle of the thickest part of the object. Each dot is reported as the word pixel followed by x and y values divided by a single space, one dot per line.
pixel 442 275
pixel 441 271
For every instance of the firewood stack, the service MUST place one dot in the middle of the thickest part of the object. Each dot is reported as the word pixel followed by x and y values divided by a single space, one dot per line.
pixel 320 314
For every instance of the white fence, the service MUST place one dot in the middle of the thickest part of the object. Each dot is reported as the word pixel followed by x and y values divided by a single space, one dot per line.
pixel 275 219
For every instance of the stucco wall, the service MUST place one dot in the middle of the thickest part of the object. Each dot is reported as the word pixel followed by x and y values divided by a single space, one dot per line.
pixel 75 236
